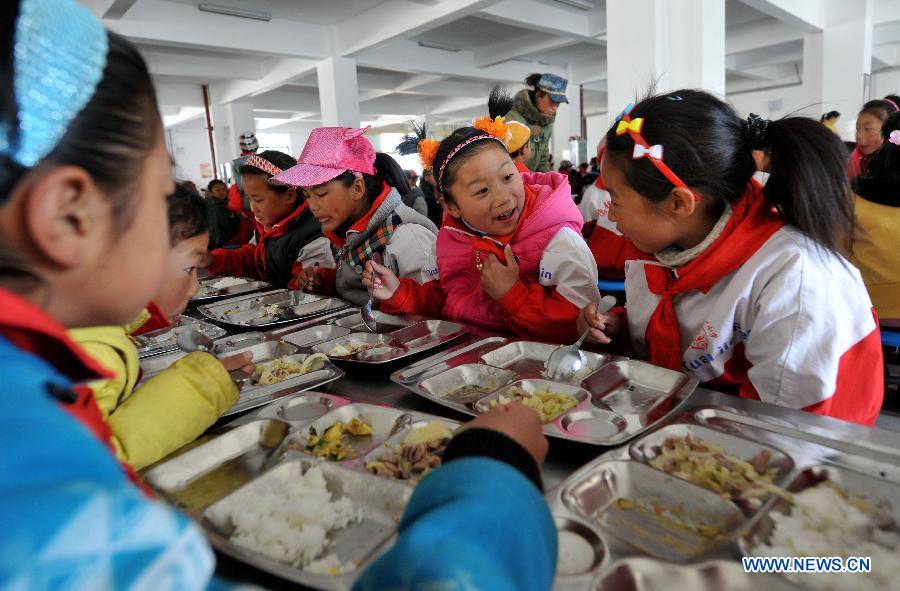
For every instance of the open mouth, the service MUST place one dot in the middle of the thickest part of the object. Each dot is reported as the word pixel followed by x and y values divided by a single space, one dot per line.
pixel 506 216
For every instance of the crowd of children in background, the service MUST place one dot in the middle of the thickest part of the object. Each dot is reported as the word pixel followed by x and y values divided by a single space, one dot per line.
pixel 723 277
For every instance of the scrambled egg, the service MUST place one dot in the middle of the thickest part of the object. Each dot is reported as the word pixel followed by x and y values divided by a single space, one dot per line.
pixel 331 444
pixel 548 405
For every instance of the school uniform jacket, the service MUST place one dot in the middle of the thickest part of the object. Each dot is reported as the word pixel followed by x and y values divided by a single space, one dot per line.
pixel 793 326
pixel 557 276
pixel 279 252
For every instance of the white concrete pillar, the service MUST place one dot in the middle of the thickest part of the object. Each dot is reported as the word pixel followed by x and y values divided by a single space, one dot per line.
pixel 229 122
pixel 567 125
pixel 668 44
pixel 338 92
pixel 837 62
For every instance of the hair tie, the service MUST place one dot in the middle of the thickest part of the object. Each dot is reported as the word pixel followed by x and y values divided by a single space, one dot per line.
pixel 755 128
pixel 892 103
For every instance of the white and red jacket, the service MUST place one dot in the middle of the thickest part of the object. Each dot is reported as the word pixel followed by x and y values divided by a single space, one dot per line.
pixel 557 276
pixel 611 249
pixel 791 325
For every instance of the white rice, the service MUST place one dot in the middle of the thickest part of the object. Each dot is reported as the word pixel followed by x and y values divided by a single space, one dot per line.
pixel 226 282
pixel 822 523
pixel 290 521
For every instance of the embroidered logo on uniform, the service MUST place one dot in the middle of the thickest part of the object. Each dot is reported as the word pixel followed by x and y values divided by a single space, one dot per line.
pixel 603 210
pixel 701 343
pixel 545 274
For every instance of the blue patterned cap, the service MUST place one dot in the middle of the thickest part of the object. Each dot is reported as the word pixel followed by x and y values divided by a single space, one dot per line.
pixel 59 54
pixel 555 86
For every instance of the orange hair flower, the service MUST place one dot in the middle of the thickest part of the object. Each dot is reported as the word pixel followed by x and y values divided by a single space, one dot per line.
pixel 496 127
pixel 427 149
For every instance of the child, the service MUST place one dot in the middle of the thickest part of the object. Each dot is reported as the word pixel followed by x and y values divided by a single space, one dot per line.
pixel 610 248
pixel 519 145
pixel 868 133
pixel 749 291
pixel 288 238
pixel 84 243
pixel 223 223
pixel 877 207
pixel 510 253
pixel 152 419
pixel 355 195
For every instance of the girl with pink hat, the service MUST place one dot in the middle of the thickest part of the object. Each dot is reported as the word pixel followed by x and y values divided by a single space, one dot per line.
pixel 356 196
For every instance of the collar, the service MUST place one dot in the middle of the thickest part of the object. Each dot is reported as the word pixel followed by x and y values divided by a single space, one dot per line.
pixel 362 223
pixel 675 257
pixel 282 226
pixel 31 329
pixel 530 112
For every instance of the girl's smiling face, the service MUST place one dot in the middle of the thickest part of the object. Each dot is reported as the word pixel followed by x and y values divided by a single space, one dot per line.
pixel 487 192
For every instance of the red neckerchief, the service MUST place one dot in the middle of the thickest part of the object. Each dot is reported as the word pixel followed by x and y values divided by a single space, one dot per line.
pixel 362 223
pixel 752 223
pixel 495 244
pixel 521 167
pixel 281 227
pixel 157 321
pixel 31 329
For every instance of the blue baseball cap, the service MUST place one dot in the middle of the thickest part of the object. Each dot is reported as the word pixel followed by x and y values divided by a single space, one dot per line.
pixel 555 86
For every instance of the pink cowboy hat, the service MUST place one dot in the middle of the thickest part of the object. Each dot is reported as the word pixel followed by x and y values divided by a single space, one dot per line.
pixel 328 153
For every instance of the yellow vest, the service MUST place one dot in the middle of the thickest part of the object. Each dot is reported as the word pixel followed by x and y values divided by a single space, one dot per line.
pixel 152 419
pixel 875 253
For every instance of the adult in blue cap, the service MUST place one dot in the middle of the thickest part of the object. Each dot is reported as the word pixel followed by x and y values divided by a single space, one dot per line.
pixel 536 106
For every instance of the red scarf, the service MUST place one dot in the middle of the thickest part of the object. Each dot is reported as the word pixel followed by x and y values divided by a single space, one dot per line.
pixel 494 244
pixel 752 223
pixel 157 321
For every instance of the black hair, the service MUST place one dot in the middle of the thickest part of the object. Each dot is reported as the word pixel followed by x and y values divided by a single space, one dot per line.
pixel 710 148
pixel 110 138
pixel 387 170
pixel 878 108
pixel 188 215
pixel 532 81
pixel 279 159
pixel 829 115
pixel 880 180
pixel 499 104
pixel 894 99
pixel 213 183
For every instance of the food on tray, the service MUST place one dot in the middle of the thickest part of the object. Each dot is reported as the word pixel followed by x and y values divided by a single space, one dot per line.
pixel 670 518
pixel 331 445
pixel 419 452
pixel 468 391
pixel 352 347
pixel 708 465
pixel 278 370
pixel 289 521
pixel 224 283
pixel 827 521
pixel 549 405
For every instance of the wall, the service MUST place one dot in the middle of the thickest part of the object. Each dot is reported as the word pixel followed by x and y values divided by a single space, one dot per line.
pixel 188 144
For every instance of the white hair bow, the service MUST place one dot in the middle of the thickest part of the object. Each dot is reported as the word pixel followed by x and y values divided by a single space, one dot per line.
pixel 655 152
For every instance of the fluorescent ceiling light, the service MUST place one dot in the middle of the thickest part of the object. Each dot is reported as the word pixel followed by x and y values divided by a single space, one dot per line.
pixel 579 4
pixel 440 46
pixel 238 12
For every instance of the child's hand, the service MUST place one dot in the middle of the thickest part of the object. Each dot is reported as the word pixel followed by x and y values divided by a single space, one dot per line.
pixel 604 326
pixel 497 278
pixel 380 281
pixel 242 361
pixel 519 423
pixel 309 280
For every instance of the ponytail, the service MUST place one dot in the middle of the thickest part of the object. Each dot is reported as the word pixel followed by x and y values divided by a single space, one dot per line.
pixel 808 182
pixel 387 170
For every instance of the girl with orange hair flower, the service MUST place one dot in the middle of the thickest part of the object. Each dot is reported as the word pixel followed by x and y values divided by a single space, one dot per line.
pixel 510 253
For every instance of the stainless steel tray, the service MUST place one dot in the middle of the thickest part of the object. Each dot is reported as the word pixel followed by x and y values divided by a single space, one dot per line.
pixel 646 574
pixel 270 308
pixel 627 397
pixel 396 345
pixel 647 448
pixel 164 340
pixel 381 502
pixel 383 322
pixel 392 444
pixel 657 514
pixel 209 294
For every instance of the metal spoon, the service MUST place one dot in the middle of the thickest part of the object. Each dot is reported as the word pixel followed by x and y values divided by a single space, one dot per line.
pixel 366 311
pixel 565 362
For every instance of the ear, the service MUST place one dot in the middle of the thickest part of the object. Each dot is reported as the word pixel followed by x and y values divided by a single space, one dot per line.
pixel 682 202
pixel 358 190
pixel 292 195
pixel 450 207
pixel 66 216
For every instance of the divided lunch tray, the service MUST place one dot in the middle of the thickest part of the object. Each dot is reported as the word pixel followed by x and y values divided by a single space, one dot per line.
pixel 209 292
pixel 624 524
pixel 270 308
pixel 616 398
pixel 213 479
pixel 165 340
